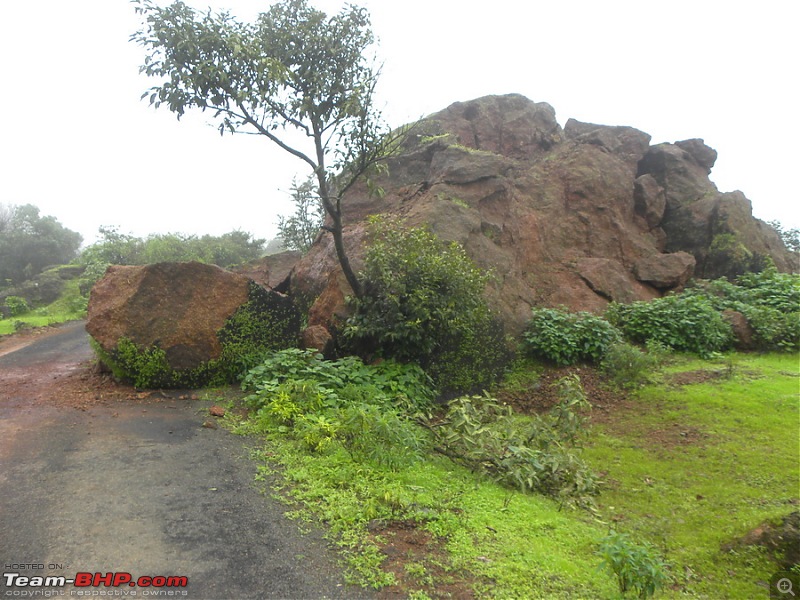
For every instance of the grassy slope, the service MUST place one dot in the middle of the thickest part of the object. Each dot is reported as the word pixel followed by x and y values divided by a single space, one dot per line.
pixel 692 467
pixel 70 306
pixel 689 468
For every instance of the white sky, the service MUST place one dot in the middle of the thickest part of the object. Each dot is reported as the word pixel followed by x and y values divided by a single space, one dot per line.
pixel 77 141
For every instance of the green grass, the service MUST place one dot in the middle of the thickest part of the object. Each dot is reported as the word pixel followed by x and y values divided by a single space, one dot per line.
pixel 499 542
pixel 688 468
pixel 692 468
pixel 70 306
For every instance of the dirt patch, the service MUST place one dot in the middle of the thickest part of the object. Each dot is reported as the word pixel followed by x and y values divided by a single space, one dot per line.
pixel 417 558
pixel 543 395
pixel 694 377
pixel 676 435
pixel 78 386
pixel 612 407
pixel 65 377
pixel 782 540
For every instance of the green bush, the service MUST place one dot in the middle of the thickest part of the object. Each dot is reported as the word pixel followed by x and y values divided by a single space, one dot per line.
pixel 682 322
pixel 380 435
pixel 368 410
pixel 145 368
pixel 16 305
pixel 627 366
pixel 535 454
pixel 423 302
pixel 265 323
pixel 566 338
pixel 770 301
pixel 637 568
pixel 391 383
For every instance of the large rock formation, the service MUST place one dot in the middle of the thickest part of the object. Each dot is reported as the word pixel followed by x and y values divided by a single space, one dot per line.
pixel 186 311
pixel 576 216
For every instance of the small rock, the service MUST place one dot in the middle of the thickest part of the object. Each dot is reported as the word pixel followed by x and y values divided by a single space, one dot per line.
pixel 209 424
pixel 216 411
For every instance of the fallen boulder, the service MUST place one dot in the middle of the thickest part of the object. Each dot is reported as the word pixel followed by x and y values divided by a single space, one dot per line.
pixel 185 324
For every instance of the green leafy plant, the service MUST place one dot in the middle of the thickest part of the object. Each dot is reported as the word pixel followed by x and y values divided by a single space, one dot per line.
pixel 687 323
pixel 566 338
pixel 388 382
pixel 145 367
pixel 380 435
pixel 530 454
pixel 769 300
pixel 423 302
pixel 637 567
pixel 368 410
pixel 16 305
pixel 627 366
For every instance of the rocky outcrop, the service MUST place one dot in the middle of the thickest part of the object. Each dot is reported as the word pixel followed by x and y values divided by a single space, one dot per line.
pixel 272 271
pixel 665 271
pixel 186 311
pixel 575 217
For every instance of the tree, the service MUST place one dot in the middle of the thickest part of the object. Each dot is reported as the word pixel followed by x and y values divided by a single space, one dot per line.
pixel 300 230
pixel 228 250
pixel 30 242
pixel 296 76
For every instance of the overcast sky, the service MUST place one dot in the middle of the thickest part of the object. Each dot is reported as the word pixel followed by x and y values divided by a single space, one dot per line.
pixel 77 141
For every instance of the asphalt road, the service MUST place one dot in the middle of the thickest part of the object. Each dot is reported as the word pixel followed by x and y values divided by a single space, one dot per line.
pixel 144 489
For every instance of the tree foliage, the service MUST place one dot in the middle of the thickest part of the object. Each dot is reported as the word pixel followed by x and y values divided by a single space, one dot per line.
pixel 30 242
pixel 296 76
pixel 228 250
pixel 300 230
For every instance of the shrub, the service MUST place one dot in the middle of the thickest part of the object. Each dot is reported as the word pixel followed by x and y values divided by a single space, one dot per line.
pixel 531 454
pixel 682 322
pixel 637 568
pixel 145 368
pixel 770 301
pixel 423 302
pixel 340 381
pixel 380 435
pixel 627 366
pixel 16 305
pixel 773 329
pixel 566 338
pixel 368 410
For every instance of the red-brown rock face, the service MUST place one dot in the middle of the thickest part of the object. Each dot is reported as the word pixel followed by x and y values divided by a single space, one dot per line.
pixel 178 307
pixel 573 217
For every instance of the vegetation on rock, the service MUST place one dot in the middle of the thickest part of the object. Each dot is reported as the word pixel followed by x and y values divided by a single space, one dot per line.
pixel 258 327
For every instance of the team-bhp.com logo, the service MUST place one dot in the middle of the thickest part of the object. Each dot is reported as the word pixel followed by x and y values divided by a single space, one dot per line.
pixel 155 585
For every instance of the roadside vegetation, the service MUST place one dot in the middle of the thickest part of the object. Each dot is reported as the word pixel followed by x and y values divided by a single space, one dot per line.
pixel 631 454
pixel 655 488
pixel 624 455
